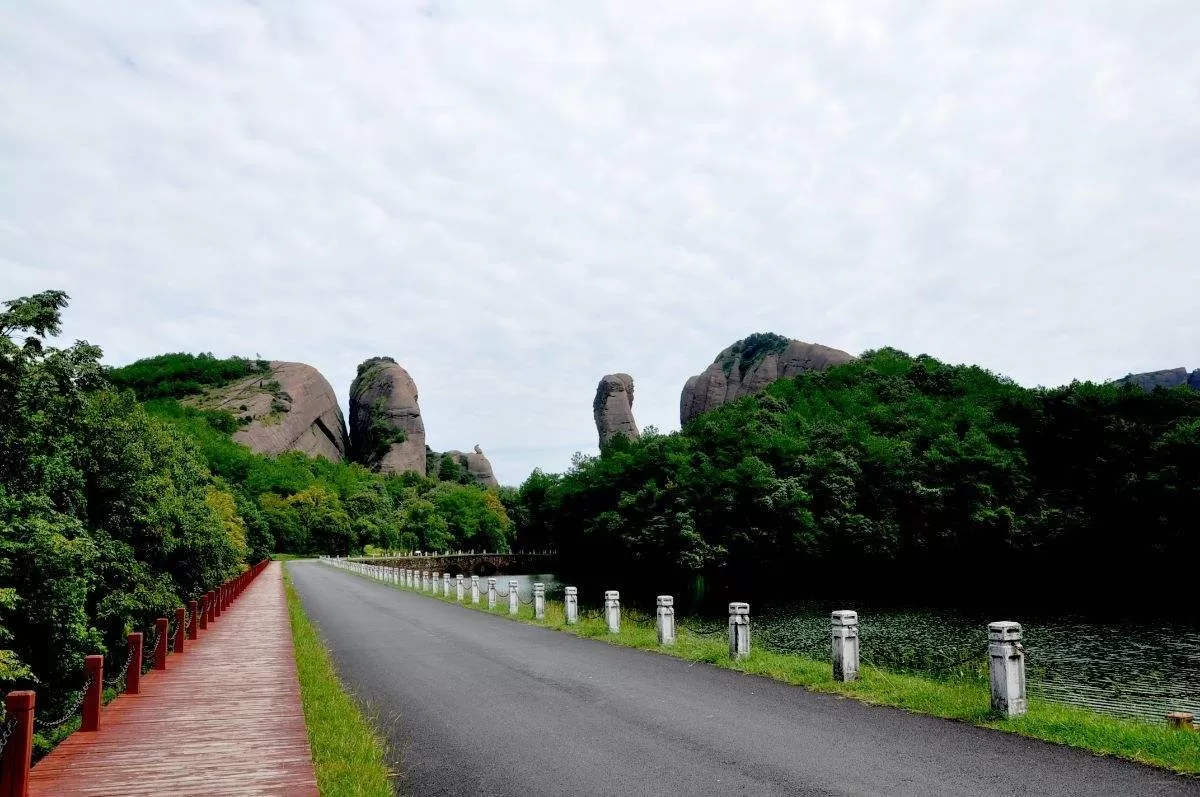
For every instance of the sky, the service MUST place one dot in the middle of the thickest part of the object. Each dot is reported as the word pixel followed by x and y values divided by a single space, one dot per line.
pixel 513 199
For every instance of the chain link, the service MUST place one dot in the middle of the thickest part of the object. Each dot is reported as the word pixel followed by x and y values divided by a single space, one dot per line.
pixel 6 732
pixel 50 725
pixel 120 679
pixel 148 652
pixel 524 602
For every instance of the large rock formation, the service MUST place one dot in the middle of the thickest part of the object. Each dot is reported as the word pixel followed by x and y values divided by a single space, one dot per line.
pixel 475 465
pixel 385 419
pixel 1171 378
pixel 748 366
pixel 291 407
pixel 613 408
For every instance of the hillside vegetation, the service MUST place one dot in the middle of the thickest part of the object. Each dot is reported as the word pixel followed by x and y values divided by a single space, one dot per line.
pixel 898 477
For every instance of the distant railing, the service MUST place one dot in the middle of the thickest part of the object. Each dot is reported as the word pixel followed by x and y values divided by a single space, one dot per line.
pixel 20 720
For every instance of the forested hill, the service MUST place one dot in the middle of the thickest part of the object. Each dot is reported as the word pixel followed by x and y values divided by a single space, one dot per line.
pixel 899 477
pixel 114 511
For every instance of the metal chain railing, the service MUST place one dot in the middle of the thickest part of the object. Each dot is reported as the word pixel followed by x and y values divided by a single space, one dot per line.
pixel 148 652
pixel 119 682
pixel 55 724
pixel 6 732
pixel 524 602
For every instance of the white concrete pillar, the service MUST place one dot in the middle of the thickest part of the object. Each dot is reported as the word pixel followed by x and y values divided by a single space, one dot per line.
pixel 739 630
pixel 458 587
pixel 475 590
pixel 539 600
pixel 665 620
pixel 445 585
pixel 1006 657
pixel 408 577
pixel 513 596
pixel 612 610
pixel 491 593
pixel 571 605
pixel 843 626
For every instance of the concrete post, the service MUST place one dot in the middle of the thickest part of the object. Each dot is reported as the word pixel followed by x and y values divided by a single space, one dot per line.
pixel 475 590
pixel 133 676
pixel 513 596
pixel 1180 720
pixel 458 587
pixel 445 585
pixel 571 604
pixel 843 625
pixel 539 600
pixel 193 619
pixel 612 610
pixel 1006 668
pixel 18 754
pixel 665 620
pixel 93 667
pixel 180 628
pixel 739 630
pixel 491 593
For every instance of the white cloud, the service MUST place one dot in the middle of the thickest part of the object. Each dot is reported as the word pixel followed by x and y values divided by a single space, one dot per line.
pixel 514 198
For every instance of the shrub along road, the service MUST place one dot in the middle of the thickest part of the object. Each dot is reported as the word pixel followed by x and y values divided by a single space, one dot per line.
pixel 478 704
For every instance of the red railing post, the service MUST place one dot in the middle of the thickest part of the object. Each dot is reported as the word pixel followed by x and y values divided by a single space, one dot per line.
pixel 133 675
pixel 212 605
pixel 18 755
pixel 193 621
pixel 204 612
pixel 93 668
pixel 180 622
pixel 160 643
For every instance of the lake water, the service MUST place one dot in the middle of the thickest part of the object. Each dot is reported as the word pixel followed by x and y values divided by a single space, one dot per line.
pixel 1139 671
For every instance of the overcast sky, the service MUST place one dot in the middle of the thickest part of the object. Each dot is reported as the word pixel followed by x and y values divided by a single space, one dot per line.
pixel 515 198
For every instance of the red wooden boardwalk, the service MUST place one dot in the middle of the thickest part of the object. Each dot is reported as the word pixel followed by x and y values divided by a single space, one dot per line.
pixel 223 719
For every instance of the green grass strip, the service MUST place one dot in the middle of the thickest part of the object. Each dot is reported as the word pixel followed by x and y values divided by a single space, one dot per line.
pixel 349 754
pixel 963 699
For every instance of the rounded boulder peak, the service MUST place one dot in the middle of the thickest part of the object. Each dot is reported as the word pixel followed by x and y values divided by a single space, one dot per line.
pixel 386 429
pixel 750 365
pixel 289 407
pixel 613 408
pixel 475 464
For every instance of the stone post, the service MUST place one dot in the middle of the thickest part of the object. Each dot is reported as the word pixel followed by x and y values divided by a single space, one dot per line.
pixel 843 626
pixel 612 610
pixel 458 587
pixel 1180 720
pixel 539 600
pixel 445 585
pixel 1006 658
pixel 513 596
pixel 475 590
pixel 491 593
pixel 571 605
pixel 665 620
pixel 739 630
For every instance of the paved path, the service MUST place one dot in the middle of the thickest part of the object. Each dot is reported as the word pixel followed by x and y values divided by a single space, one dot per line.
pixel 478 704
pixel 223 719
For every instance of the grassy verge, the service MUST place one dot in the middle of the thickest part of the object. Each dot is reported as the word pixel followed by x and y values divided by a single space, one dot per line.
pixel 349 754
pixel 289 557
pixel 965 699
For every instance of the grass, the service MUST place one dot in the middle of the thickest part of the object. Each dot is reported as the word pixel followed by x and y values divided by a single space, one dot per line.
pixel 348 753
pixel 960 698
pixel 289 557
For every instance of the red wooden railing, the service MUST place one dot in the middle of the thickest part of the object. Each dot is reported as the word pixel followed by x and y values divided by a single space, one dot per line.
pixel 16 732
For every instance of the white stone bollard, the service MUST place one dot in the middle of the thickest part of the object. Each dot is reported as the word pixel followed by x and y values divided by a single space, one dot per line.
pixel 424 580
pixel 475 590
pixel 513 596
pixel 408 577
pixel 571 605
pixel 739 630
pixel 843 625
pixel 665 620
pixel 539 600
pixel 491 593
pixel 445 585
pixel 1006 668
pixel 612 610
pixel 458 587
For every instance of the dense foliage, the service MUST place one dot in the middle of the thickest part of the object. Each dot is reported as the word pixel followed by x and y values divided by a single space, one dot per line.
pixel 177 375
pixel 108 517
pixel 919 479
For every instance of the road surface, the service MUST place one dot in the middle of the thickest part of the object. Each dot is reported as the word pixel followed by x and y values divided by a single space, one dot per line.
pixel 478 704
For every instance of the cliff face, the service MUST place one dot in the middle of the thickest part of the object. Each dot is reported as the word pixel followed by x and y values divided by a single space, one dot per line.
pixel 613 408
pixel 1174 377
pixel 290 408
pixel 385 418
pixel 748 366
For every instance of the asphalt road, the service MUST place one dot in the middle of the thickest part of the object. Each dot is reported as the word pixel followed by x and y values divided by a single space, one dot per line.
pixel 477 704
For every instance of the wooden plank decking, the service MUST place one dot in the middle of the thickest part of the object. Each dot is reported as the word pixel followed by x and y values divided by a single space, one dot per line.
pixel 223 719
